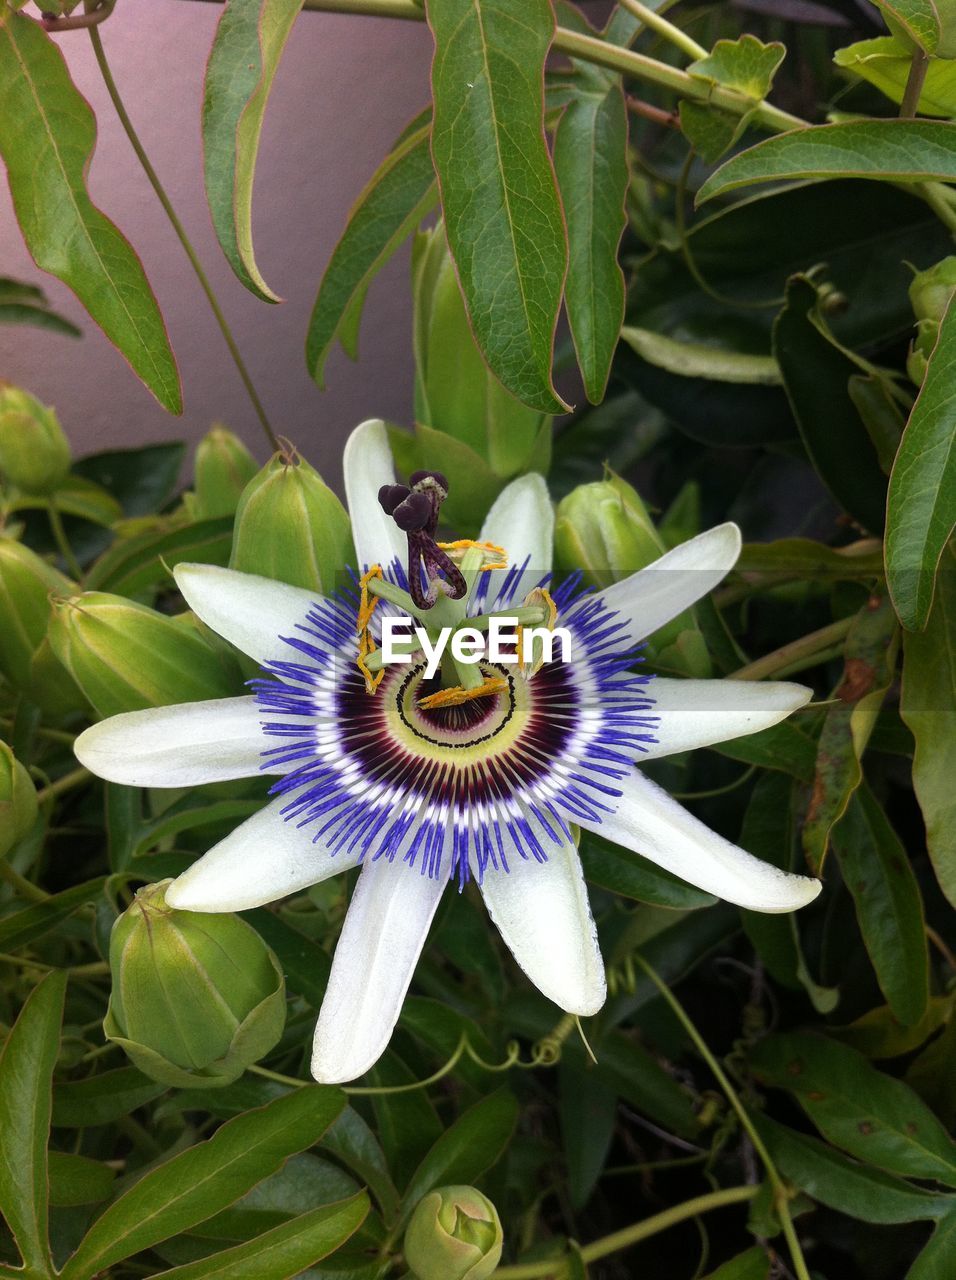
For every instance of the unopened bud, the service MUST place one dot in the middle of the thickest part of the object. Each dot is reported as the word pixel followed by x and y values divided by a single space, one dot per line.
pixel 34 453
pixel 224 466
pixel 197 997
pixel 126 657
pixel 604 530
pixel 290 526
pixel 26 584
pixel 931 290
pixel 454 1234
pixel 18 800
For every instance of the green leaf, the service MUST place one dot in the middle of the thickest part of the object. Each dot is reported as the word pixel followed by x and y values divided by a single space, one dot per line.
pixel 928 707
pixel 920 19
pixel 889 908
pixel 802 559
pixel 640 1080
pixel 840 1183
pixel 880 413
pixel 710 130
pixel 816 370
pixel 752 1264
pixel 871 1115
pixel 351 1140
pixel 747 65
pixel 26 1073
pixel 768 834
pixel 243 61
pixel 936 1260
pixel 587 1108
pixel 695 360
pixel 921 506
pixel 466 1149
pixel 47 137
pixel 885 62
pixel 26 304
pixel 869 670
pixel 286 1250
pixel 102 1099
pixel 133 565
pixel 305 964
pixel 76 1180
pixel 502 213
pixel 40 917
pixel 396 198
pixel 888 150
pixel 590 161
pixel 142 480
pixel 199 1182
pixel 782 746
pixel 632 876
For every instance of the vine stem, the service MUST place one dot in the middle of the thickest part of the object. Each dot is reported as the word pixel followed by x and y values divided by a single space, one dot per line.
pixel 180 230
pixel 61 540
pixel 632 1235
pixel 919 65
pixel 69 780
pixel 781 1194
pixel 601 53
pixel 810 646
pixel 20 884
pixel 654 22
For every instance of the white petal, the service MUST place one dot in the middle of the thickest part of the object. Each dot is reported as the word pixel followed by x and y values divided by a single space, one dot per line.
pixel 521 520
pixel 367 463
pixel 648 821
pixel 541 911
pixel 264 859
pixel 652 596
pixel 384 932
pixel 178 746
pixel 250 612
pixel 697 713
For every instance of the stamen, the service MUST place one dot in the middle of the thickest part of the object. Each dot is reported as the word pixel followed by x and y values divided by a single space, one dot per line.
pixel 542 599
pixel 367 645
pixel 455 696
pixel 494 557
pixel 415 508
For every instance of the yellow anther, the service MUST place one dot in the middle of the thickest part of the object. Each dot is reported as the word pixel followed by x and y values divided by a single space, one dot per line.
pixel 495 557
pixel 541 599
pixel 367 645
pixel 456 696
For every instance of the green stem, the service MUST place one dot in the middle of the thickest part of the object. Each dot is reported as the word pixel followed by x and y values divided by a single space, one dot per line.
pixel 810 646
pixel 634 1234
pixel 62 541
pixel 184 240
pixel 654 22
pixel 24 887
pixel 69 780
pixel 781 1194
pixel 919 65
pixel 594 49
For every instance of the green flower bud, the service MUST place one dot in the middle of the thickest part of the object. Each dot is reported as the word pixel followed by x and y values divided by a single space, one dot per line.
pixel 454 1234
pixel 34 453
pixel 197 998
pixel 18 800
pixel 604 530
pixel 224 466
pixel 455 391
pixel 125 656
pixel 26 583
pixel 931 290
pixel 291 526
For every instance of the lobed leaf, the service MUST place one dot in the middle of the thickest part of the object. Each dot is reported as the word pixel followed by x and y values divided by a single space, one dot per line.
pixel 502 213
pixel 250 38
pixel 47 138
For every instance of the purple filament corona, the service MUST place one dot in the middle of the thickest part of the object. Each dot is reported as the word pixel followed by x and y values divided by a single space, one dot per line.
pixel 460 789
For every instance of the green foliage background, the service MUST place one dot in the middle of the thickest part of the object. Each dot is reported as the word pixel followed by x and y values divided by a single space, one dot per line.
pixel 776 1094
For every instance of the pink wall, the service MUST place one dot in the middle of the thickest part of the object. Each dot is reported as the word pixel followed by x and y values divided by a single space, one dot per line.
pixel 345 89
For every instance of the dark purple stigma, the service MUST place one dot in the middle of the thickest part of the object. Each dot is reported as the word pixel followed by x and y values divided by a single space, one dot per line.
pixel 415 508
